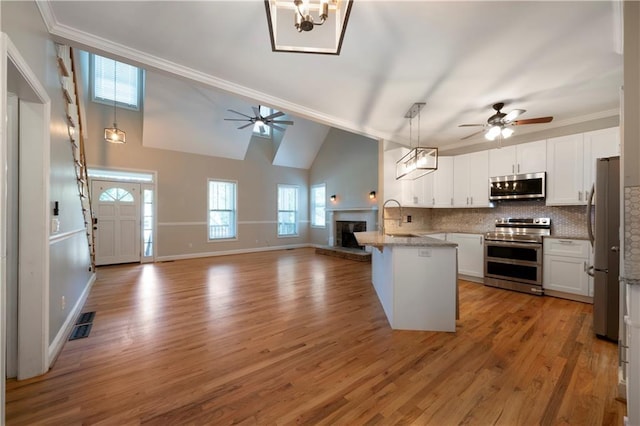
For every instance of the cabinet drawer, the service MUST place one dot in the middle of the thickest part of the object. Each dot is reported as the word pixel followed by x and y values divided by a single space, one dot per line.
pixel 566 247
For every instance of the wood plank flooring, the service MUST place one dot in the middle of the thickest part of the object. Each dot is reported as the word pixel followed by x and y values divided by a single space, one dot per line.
pixel 291 337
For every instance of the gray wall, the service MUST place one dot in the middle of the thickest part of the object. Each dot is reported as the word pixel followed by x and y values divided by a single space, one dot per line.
pixel 348 164
pixel 182 187
pixel 69 261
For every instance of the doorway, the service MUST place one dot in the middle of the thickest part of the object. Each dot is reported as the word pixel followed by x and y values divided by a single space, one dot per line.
pixel 117 208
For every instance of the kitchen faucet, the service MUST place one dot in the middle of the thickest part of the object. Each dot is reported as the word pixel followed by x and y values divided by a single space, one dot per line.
pixel 385 218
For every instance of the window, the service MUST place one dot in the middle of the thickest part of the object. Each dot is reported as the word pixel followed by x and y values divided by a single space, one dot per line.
pixel 260 129
pixel 287 210
pixel 318 205
pixel 222 209
pixel 147 215
pixel 116 194
pixel 126 90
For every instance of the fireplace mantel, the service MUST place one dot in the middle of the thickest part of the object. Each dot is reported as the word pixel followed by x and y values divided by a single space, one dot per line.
pixel 353 209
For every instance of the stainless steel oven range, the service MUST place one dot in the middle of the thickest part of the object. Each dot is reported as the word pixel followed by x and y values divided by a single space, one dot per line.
pixel 513 254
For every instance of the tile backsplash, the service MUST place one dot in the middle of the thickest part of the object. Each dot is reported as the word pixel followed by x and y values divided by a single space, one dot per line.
pixel 566 221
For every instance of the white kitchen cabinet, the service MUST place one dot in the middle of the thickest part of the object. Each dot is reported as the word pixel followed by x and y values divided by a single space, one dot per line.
pixel 564 268
pixel 565 170
pixel 528 157
pixel 392 187
pixel 443 183
pixel 418 192
pixel 598 144
pixel 471 180
pixel 470 253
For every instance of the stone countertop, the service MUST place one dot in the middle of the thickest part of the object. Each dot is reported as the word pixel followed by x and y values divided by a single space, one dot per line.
pixel 376 239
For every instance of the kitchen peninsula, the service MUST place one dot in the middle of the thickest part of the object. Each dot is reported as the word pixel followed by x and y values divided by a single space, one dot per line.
pixel 415 277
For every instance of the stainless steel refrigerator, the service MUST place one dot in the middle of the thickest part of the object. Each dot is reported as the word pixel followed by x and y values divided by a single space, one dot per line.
pixel 603 211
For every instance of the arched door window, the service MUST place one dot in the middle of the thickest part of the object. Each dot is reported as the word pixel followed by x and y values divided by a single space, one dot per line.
pixel 116 194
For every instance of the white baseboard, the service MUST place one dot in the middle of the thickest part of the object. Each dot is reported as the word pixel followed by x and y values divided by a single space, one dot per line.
pixel 229 252
pixel 63 334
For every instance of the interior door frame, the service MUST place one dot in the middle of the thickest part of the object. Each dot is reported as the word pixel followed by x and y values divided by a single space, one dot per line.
pixel 33 309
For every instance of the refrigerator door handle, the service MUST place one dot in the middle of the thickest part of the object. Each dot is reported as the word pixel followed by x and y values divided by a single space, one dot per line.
pixel 589 212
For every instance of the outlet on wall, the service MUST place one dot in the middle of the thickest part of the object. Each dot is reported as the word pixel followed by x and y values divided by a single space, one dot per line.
pixel 63 303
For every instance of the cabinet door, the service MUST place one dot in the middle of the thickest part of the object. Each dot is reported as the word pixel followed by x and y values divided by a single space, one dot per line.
pixel 502 161
pixel 461 175
pixel 418 192
pixel 392 187
pixel 478 179
pixel 598 144
pixel 565 171
pixel 470 253
pixel 531 157
pixel 443 183
pixel 565 274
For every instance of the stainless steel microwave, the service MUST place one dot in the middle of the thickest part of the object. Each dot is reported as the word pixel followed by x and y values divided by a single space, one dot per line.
pixel 517 187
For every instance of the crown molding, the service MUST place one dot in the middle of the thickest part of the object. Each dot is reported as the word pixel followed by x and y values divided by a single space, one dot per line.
pixel 66 34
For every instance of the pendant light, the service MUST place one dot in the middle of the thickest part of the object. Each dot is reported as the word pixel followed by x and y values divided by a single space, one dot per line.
pixel 419 161
pixel 113 134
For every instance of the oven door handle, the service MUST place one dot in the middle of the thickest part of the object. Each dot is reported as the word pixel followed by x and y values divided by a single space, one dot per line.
pixel 533 246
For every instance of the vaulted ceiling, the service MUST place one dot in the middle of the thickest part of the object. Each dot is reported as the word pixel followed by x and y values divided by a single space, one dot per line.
pixel 561 59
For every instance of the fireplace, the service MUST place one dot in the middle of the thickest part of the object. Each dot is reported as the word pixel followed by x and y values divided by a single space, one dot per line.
pixel 366 215
pixel 345 230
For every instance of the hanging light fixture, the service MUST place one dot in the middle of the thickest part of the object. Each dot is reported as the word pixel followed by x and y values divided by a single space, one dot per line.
pixel 113 134
pixel 419 161
pixel 291 25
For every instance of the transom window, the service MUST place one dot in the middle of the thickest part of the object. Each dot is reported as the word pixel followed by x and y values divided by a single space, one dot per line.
pixel 222 209
pixel 115 81
pixel 318 205
pixel 287 210
pixel 116 194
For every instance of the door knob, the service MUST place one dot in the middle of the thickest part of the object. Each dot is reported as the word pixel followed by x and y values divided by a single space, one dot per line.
pixel 615 249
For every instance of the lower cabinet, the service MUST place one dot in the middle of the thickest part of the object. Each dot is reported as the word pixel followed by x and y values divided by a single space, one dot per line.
pixel 470 254
pixel 564 268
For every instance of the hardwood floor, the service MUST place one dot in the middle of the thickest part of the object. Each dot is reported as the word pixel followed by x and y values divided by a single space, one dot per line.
pixel 292 337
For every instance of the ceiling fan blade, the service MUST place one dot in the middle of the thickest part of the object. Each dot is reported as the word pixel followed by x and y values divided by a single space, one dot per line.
pixel 281 122
pixel 513 115
pixel 472 135
pixel 471 125
pixel 274 126
pixel 256 111
pixel 538 120
pixel 245 126
pixel 274 115
pixel 236 119
pixel 236 112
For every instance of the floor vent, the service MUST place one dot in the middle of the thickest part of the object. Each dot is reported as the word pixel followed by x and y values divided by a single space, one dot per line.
pixel 86 318
pixel 80 331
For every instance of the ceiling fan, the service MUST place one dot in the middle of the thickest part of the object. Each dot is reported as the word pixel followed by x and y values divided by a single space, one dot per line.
pixel 498 123
pixel 258 118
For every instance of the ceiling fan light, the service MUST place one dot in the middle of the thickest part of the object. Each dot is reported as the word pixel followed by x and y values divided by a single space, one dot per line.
pixel 493 133
pixel 507 132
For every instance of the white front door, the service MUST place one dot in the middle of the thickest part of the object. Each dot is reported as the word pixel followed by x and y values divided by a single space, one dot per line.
pixel 117 208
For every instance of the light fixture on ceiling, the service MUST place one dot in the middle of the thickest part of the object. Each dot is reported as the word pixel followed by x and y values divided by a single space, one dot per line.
pixel 113 134
pixel 419 161
pixel 291 23
pixel 496 131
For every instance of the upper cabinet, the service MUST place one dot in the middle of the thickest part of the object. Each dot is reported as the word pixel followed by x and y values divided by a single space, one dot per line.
pixel 565 170
pixel 418 192
pixel 443 183
pixel 471 180
pixel 392 187
pixel 598 144
pixel 571 164
pixel 518 159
